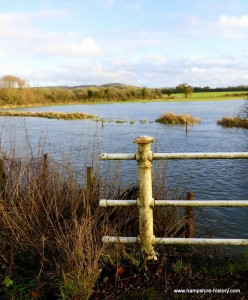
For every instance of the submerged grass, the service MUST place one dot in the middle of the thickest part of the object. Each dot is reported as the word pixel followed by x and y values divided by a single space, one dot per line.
pixel 234 122
pixel 49 115
pixel 173 119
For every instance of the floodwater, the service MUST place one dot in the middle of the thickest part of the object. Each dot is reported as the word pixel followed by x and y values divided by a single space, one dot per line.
pixel 208 179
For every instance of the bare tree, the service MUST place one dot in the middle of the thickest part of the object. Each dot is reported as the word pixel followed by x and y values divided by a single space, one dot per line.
pixel 9 81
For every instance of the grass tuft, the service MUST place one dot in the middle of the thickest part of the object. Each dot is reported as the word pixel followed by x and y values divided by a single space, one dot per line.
pixel 234 122
pixel 173 119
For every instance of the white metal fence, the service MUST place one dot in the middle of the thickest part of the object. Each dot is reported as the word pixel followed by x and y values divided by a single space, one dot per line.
pixel 146 203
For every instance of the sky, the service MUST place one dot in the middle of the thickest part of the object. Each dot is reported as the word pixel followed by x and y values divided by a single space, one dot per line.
pixel 151 43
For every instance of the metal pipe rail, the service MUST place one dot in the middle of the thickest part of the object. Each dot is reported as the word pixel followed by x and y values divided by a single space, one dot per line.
pixel 145 203
pixel 193 155
pixel 196 155
pixel 118 156
pixel 184 203
pixel 178 241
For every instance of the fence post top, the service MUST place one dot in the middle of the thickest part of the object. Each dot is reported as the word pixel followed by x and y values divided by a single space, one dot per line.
pixel 143 139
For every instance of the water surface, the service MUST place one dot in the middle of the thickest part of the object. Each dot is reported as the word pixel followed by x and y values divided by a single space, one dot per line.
pixel 208 179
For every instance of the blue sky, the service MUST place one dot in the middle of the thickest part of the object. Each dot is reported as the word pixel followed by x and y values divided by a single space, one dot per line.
pixel 148 43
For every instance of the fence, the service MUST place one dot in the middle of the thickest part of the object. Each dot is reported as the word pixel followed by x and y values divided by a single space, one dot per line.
pixel 146 203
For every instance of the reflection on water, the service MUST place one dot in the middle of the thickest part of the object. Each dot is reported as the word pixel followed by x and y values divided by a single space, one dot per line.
pixel 208 179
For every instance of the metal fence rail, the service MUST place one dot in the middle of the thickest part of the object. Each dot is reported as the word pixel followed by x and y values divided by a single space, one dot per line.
pixel 178 241
pixel 146 203
pixel 201 203
pixel 192 155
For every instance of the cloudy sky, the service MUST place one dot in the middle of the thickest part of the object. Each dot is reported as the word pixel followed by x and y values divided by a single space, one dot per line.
pixel 152 43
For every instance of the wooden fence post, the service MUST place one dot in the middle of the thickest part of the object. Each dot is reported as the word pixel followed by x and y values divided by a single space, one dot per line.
pixel 45 166
pixel 2 176
pixel 189 230
pixel 145 201
pixel 45 175
pixel 89 188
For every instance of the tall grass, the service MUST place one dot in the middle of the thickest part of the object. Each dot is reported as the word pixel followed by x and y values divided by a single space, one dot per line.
pixel 50 241
pixel 45 231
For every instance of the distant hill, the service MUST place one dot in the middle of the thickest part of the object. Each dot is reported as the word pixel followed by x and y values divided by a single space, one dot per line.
pixel 119 85
pixel 116 85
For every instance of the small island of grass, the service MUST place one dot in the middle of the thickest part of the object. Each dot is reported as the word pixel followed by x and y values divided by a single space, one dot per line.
pixel 49 115
pixel 173 119
pixel 234 122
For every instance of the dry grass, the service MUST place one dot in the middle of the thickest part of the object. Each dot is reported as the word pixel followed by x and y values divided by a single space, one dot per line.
pixel 50 240
pixel 49 115
pixel 45 231
pixel 234 122
pixel 173 119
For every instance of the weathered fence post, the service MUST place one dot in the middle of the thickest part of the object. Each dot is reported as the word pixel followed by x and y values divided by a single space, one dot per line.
pixel 2 176
pixel 89 188
pixel 145 201
pixel 45 175
pixel 189 233
pixel 45 166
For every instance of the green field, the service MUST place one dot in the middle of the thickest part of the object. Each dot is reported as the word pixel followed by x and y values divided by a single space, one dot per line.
pixel 209 96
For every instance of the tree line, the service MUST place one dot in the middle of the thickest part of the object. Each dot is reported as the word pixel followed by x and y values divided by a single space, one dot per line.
pixel 188 89
pixel 15 91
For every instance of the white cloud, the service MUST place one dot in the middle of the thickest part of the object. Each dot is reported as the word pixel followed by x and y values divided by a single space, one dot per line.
pixel 12 19
pixel 20 34
pixel 86 47
pixel 233 27
pixel 148 71
pixel 234 22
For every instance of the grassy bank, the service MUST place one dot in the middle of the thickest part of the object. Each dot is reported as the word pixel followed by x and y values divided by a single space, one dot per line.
pixel 49 115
